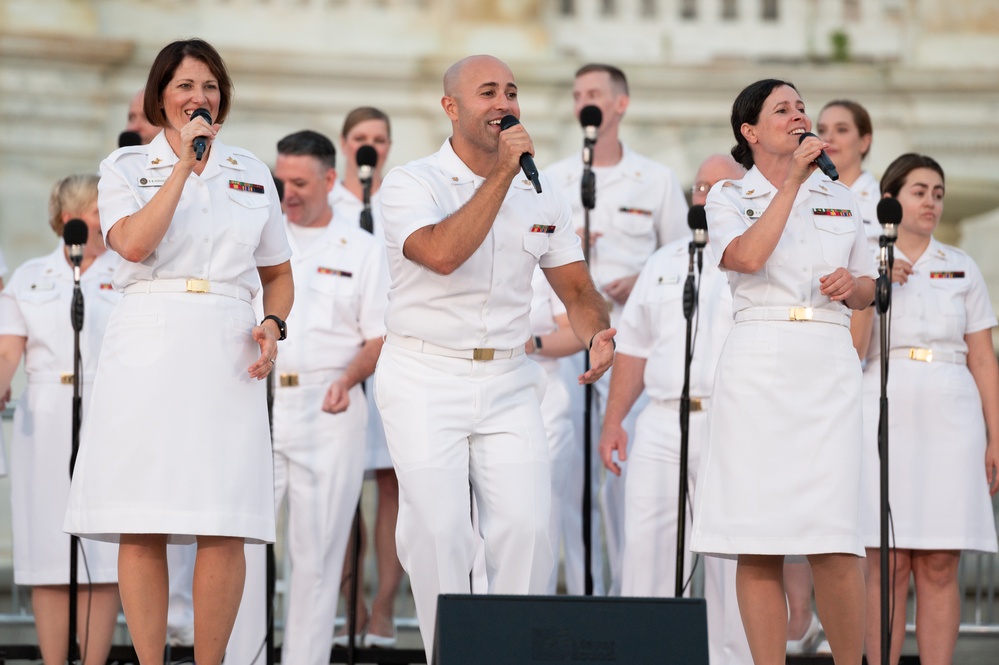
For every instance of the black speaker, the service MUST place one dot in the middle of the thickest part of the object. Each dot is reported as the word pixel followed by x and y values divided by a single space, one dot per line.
pixel 500 630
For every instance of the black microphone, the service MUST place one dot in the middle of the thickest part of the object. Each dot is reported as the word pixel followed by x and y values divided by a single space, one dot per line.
pixel 822 161
pixel 526 161
pixel 697 220
pixel 127 139
pixel 366 158
pixel 74 234
pixel 890 216
pixel 200 142
pixel 590 118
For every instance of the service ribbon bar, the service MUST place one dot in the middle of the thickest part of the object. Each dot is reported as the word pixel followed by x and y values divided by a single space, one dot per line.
pixel 947 274
pixel 333 271
pixel 832 212
pixel 542 228
pixel 246 187
pixel 635 211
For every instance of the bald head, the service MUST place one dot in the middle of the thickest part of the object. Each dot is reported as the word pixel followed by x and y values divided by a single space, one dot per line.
pixel 714 168
pixel 460 72
pixel 137 121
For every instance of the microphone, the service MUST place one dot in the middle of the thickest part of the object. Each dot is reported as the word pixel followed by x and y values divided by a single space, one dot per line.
pixel 822 161
pixel 526 161
pixel 200 143
pixel 590 118
pixel 366 158
pixel 127 139
pixel 890 216
pixel 74 234
pixel 697 220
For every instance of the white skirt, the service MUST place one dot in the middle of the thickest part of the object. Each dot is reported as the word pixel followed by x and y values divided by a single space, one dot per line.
pixel 39 488
pixel 937 489
pixel 177 439
pixel 780 473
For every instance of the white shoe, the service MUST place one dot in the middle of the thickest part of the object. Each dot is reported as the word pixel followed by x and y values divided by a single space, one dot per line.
pixel 182 636
pixel 823 647
pixel 808 641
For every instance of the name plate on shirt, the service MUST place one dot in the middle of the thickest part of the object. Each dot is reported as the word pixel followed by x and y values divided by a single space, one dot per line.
pixel 146 181
pixel 754 213
pixel 947 274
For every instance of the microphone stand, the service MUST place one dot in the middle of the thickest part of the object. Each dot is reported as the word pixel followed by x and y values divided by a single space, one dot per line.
pixel 588 187
pixel 367 223
pixel 271 564
pixel 690 296
pixel 882 301
pixel 76 316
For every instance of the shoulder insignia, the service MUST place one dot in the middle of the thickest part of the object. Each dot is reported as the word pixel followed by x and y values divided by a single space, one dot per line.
pixel 750 192
pixel 231 160
pixel 156 161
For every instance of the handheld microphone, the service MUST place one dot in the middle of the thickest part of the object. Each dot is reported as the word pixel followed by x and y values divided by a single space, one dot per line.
pixel 366 158
pixel 697 220
pixel 200 142
pixel 822 161
pixel 526 160
pixel 890 216
pixel 127 139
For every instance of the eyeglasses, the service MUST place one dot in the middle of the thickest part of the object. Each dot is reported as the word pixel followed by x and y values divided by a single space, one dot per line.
pixel 701 187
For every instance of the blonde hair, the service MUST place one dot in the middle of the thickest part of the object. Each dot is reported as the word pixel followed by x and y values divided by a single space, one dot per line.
pixel 74 193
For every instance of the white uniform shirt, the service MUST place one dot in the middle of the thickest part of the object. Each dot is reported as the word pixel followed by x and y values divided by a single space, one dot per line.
pixel 868 193
pixel 485 302
pixel 653 327
pixel 340 287
pixel 944 299
pixel 545 306
pixel 347 208
pixel 36 304
pixel 824 231
pixel 233 199
pixel 639 207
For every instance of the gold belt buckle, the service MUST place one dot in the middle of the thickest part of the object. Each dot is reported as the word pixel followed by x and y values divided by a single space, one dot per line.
pixel 66 378
pixel 799 314
pixel 483 354
pixel 925 355
pixel 289 379
pixel 695 404
pixel 198 285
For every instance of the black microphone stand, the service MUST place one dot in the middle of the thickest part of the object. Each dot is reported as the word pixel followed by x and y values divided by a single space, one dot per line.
pixel 271 564
pixel 588 187
pixel 690 297
pixel 366 221
pixel 882 301
pixel 76 316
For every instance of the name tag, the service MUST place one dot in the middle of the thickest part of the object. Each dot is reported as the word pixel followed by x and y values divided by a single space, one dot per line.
pixel 754 213
pixel 542 228
pixel 832 212
pixel 947 274
pixel 246 187
pixel 145 181
pixel 669 279
pixel 43 286
pixel 333 271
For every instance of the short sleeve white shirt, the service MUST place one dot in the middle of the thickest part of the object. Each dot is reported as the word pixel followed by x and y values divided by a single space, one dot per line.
pixel 228 220
pixel 486 302
pixel 653 327
pixel 824 232
pixel 639 207
pixel 868 193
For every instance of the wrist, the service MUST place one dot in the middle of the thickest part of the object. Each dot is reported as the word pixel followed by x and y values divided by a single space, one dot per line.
pixel 589 346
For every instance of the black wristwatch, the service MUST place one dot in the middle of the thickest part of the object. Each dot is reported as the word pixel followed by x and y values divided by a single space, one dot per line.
pixel 282 326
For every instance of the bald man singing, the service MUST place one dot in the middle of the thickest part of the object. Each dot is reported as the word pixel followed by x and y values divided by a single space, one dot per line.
pixel 464 230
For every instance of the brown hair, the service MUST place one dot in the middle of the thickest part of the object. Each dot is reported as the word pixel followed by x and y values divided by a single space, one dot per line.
pixel 899 170
pixel 617 77
pixel 166 64
pixel 746 109
pixel 861 118
pixel 74 193
pixel 362 114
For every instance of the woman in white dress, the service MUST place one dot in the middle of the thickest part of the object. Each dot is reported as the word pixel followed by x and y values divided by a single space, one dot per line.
pixel 35 325
pixel 177 446
pixel 780 472
pixel 943 423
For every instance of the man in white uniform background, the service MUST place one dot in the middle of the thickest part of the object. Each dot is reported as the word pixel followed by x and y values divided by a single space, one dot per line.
pixel 464 230
pixel 639 207
pixel 652 337
pixel 320 413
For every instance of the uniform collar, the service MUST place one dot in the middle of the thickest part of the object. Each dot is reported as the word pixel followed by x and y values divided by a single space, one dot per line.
pixel 221 158
pixel 866 187
pixel 459 173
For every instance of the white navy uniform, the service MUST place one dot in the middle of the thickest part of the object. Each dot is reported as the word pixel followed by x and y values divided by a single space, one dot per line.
pixel 786 420
pixel 178 441
pixel 451 419
pixel 936 430
pixel 567 487
pixel 36 305
pixel 347 208
pixel 868 193
pixel 3 447
pixel 639 207
pixel 652 327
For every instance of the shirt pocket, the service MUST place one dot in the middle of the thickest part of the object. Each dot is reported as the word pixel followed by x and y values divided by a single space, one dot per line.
pixel 944 309
pixel 331 301
pixel 836 236
pixel 634 222
pixel 41 310
pixel 249 212
pixel 536 244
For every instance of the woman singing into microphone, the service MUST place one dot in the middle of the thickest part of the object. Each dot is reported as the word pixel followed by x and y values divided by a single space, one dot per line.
pixel 780 472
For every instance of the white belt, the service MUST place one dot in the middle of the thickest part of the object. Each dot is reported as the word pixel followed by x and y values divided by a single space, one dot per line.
pixel 791 314
pixel 414 344
pixel 316 377
pixel 182 285
pixel 65 378
pixel 696 403
pixel 930 356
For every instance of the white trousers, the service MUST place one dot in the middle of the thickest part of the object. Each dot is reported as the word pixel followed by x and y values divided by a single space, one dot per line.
pixel 319 468
pixel 450 423
pixel 650 527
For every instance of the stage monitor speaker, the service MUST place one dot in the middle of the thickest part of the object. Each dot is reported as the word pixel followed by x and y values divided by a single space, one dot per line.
pixel 499 630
